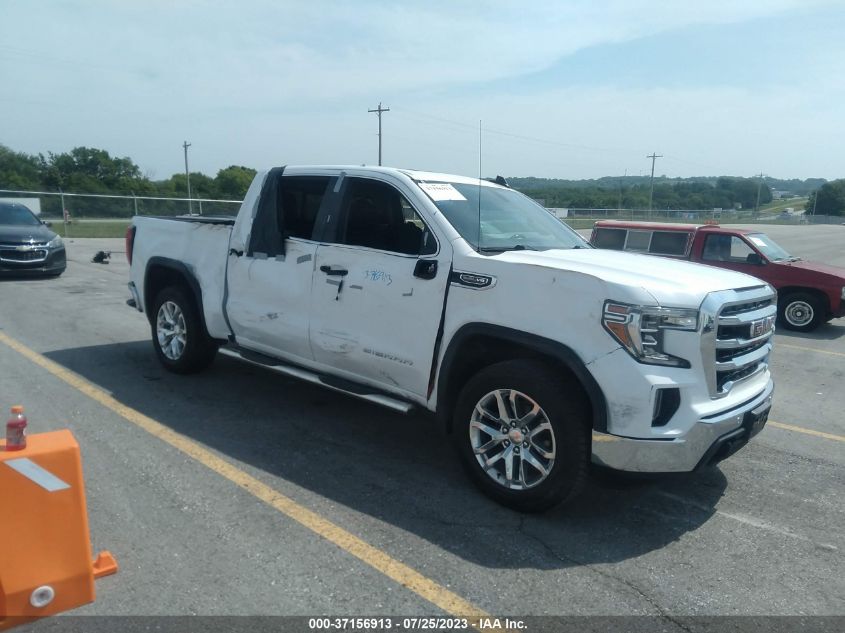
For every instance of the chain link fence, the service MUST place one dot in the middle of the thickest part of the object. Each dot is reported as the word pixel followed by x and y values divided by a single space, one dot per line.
pixel 88 206
pixel 80 207
pixel 584 218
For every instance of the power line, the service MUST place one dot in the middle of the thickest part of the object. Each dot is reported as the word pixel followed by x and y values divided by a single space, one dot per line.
pixel 378 111
pixel 487 130
pixel 470 128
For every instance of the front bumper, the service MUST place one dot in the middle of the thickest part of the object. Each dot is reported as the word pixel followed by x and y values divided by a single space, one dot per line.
pixel 53 264
pixel 710 439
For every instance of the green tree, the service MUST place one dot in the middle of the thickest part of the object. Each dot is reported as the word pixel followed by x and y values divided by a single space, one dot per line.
pixel 90 170
pixel 201 186
pixel 233 181
pixel 18 170
pixel 829 199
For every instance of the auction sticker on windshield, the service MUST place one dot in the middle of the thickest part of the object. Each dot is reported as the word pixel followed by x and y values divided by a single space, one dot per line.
pixel 441 191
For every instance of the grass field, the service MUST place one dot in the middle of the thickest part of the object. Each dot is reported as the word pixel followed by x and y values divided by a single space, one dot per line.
pixel 777 206
pixel 92 228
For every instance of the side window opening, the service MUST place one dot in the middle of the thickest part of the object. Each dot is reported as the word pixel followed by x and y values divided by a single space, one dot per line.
pixel 740 251
pixel 638 241
pixel 378 216
pixel 669 243
pixel 301 197
pixel 726 248
pixel 610 238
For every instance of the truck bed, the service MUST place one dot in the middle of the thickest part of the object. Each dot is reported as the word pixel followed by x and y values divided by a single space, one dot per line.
pixel 201 219
pixel 200 244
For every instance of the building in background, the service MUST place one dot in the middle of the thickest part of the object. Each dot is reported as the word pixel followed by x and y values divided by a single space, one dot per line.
pixel 33 204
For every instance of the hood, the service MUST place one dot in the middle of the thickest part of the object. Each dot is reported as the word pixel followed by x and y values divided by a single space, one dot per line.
pixel 834 271
pixel 15 234
pixel 671 282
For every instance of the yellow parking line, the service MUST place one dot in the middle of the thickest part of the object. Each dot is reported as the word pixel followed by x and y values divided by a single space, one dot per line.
pixel 801 429
pixel 808 349
pixel 380 561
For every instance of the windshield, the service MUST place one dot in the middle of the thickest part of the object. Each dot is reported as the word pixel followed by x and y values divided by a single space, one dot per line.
pixel 17 215
pixel 508 219
pixel 769 248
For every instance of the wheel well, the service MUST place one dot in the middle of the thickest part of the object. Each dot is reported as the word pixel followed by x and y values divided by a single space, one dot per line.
pixel 818 294
pixel 160 276
pixel 478 351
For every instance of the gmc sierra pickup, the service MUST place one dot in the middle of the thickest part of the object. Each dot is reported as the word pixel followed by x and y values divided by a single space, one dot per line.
pixel 537 352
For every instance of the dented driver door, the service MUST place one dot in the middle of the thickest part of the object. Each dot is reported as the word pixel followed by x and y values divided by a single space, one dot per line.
pixel 269 280
pixel 378 291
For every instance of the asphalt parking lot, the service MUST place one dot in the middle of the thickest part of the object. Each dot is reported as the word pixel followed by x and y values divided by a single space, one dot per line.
pixel 208 533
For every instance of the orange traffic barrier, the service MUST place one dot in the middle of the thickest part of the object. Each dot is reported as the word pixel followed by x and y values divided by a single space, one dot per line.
pixel 45 551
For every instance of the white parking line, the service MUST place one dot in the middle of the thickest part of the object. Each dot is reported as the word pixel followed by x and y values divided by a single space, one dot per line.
pixel 803 348
pixel 747 520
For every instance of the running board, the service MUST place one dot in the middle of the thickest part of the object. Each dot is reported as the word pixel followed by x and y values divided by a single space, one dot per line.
pixel 329 382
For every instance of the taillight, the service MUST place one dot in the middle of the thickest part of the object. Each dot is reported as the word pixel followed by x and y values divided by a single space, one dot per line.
pixel 130 241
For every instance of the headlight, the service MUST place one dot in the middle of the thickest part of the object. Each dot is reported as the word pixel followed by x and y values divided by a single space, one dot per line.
pixel 640 329
pixel 843 293
pixel 56 242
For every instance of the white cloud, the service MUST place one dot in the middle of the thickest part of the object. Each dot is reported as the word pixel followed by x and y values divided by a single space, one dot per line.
pixel 261 82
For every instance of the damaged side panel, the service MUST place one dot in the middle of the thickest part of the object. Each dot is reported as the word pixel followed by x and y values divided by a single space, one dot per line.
pixel 377 320
pixel 269 298
pixel 201 250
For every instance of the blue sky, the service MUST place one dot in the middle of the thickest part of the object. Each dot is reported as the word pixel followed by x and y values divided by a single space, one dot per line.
pixel 562 89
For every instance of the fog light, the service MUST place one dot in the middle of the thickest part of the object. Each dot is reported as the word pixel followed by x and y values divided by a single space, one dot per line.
pixel 666 403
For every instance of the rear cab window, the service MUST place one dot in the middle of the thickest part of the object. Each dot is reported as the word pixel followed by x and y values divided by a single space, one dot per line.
pixel 669 243
pixel 610 238
pixel 638 241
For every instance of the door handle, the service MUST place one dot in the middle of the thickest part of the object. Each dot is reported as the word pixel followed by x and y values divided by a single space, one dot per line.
pixel 235 252
pixel 334 272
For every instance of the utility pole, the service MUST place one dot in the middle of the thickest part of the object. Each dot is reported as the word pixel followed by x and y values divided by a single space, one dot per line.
pixel 185 146
pixel 378 111
pixel 653 156
pixel 759 186
pixel 621 185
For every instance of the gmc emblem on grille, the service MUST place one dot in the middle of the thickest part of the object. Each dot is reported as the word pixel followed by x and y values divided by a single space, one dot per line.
pixel 762 326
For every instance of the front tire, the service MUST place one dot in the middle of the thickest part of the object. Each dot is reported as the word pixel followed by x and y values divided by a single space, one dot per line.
pixel 523 435
pixel 179 338
pixel 801 312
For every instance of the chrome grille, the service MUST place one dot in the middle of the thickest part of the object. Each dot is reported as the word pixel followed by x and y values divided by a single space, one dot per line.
pixel 744 307
pixel 737 327
pixel 31 254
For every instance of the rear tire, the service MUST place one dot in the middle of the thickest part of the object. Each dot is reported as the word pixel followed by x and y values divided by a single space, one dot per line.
pixel 801 312
pixel 179 337
pixel 523 435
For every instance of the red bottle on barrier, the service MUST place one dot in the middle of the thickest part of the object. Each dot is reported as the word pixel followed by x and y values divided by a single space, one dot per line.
pixel 16 430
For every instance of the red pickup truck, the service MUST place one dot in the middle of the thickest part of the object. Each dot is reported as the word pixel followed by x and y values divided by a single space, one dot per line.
pixel 809 294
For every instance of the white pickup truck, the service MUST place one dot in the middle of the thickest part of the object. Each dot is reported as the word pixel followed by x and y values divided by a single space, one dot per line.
pixel 538 353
